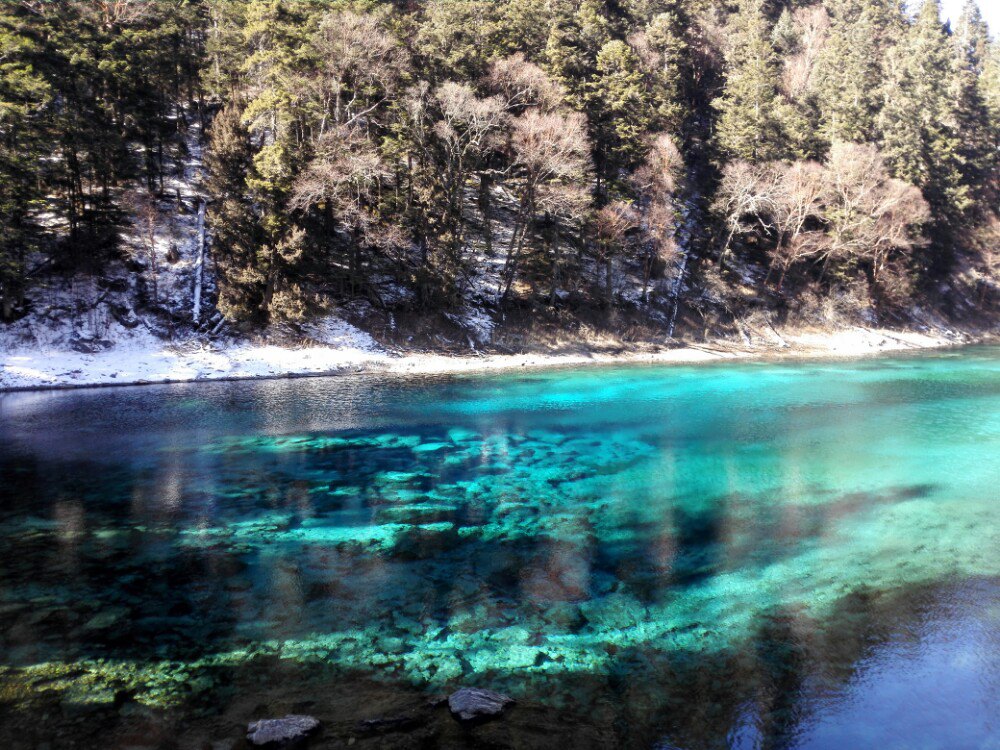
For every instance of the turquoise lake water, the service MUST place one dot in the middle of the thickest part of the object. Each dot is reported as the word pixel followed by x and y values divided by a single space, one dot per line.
pixel 761 555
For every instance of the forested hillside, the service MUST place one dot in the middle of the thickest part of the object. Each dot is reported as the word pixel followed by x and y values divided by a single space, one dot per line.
pixel 684 163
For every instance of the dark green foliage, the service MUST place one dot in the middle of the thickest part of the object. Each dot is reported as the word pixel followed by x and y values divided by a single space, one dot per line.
pixel 93 96
pixel 238 240
pixel 922 129
pixel 358 144
pixel 620 107
pixel 749 109
pixel 23 96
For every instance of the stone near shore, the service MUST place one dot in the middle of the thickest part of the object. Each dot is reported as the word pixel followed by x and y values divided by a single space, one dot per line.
pixel 474 704
pixel 288 732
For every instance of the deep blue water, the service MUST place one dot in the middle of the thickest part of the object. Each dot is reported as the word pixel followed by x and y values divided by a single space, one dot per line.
pixel 801 555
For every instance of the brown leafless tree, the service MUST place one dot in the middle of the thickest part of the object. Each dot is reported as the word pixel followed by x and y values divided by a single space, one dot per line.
pixel 453 131
pixel 745 199
pixel 522 84
pixel 868 213
pixel 612 225
pixel 656 182
pixel 114 13
pixel 798 76
pixel 360 68
pixel 146 219
pixel 848 209
pixel 552 165
pixel 345 180
pixel 795 201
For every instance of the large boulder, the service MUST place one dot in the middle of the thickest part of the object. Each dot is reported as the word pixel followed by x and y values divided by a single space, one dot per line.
pixel 474 704
pixel 288 732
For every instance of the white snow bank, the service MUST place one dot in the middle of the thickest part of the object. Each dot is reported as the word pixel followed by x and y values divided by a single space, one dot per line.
pixel 138 357
pixel 342 347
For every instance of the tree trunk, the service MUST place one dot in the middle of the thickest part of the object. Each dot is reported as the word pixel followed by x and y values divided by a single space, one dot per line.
pixel 199 269
pixel 556 258
pixel 609 280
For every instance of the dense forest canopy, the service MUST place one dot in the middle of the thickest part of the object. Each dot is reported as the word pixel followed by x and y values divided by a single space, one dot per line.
pixel 387 150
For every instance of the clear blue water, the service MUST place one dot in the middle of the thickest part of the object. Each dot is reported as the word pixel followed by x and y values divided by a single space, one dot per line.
pixel 797 555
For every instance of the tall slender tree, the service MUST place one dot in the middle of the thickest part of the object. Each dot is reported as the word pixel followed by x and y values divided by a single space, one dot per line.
pixel 749 126
pixel 919 122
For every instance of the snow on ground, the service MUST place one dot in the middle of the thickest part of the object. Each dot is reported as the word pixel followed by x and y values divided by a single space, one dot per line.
pixel 142 358
pixel 138 356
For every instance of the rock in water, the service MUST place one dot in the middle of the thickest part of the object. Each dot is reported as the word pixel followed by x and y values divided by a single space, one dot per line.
pixel 471 704
pixel 288 732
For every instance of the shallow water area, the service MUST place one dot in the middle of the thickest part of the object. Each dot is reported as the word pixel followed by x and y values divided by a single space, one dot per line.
pixel 787 555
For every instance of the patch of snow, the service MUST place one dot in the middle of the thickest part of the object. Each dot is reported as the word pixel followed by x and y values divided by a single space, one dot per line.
pixel 477 321
pixel 334 332
pixel 141 357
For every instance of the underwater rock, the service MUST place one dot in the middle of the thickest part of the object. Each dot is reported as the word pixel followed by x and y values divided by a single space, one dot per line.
pixel 288 732
pixel 106 619
pixel 614 612
pixel 473 704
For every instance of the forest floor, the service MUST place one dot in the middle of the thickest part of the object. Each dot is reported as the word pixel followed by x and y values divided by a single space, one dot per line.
pixel 337 347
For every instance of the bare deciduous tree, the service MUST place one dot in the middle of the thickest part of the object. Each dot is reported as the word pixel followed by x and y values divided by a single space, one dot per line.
pixel 114 13
pixel 345 180
pixel 846 210
pixel 612 225
pixel 868 213
pixel 552 164
pixel 745 199
pixel 146 219
pixel 453 131
pixel 360 67
pixel 795 201
pixel 656 181
pixel 522 84
pixel 813 28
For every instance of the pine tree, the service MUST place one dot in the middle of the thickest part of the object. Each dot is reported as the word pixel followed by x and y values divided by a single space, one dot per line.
pixel 619 108
pixel 978 144
pixel 990 84
pixel 524 27
pixel 919 121
pixel 221 71
pixel 237 240
pixel 595 28
pixel 850 72
pixel 572 48
pixel 665 65
pixel 458 38
pixel 749 126
pixel 785 36
pixel 23 96
pixel 972 36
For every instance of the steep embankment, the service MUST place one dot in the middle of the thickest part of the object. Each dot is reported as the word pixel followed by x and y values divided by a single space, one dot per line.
pixel 151 318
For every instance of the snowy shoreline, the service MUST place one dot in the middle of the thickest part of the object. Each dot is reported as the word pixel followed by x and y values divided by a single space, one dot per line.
pixel 148 362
